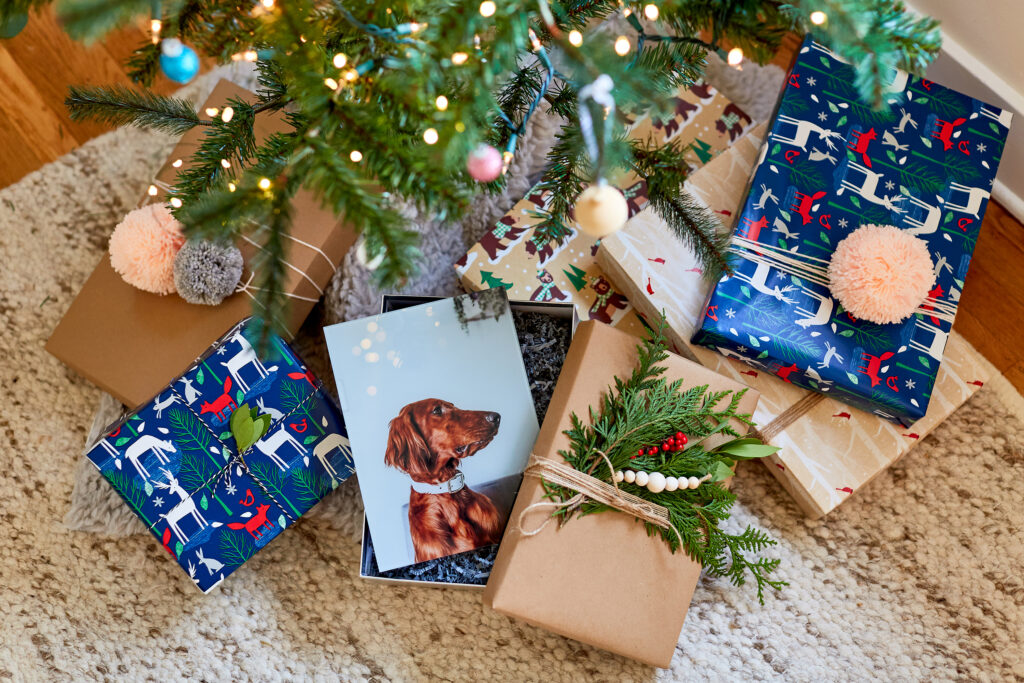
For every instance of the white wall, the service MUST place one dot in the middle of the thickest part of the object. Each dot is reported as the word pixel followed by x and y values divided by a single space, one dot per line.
pixel 983 56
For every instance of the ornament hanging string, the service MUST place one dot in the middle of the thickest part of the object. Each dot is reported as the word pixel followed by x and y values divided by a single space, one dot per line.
pixel 598 92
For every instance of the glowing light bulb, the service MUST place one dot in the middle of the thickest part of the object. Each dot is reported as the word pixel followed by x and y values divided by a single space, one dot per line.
pixel 356 156
pixel 331 83
pixel 176 163
pixel 225 163
pixel 575 38
pixel 212 111
pixel 459 58
pixel 441 102
pixel 231 187
pixel 250 55
pixel 430 136
pixel 488 8
pixel 351 75
pixel 460 127
pixel 818 18
pixel 651 12
pixel 227 114
pixel 735 56
pixel 267 4
pixel 175 202
pixel 622 46
pixel 154 26
pixel 340 60
pixel 264 183
pixel 152 191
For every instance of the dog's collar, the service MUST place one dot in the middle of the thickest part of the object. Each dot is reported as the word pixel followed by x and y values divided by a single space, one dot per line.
pixel 456 483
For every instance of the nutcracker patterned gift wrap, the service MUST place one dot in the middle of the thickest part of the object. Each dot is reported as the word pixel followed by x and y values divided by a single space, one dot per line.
pixel 925 163
pixel 176 462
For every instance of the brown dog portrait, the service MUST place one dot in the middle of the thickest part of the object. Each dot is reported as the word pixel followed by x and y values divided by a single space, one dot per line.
pixel 427 440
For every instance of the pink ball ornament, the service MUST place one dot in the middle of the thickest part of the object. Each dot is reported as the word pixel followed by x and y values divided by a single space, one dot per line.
pixel 143 247
pixel 484 164
pixel 881 273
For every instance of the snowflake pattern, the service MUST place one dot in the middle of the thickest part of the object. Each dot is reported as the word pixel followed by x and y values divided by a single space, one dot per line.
pixel 823 116
pixel 729 313
pixel 811 80
pixel 982 147
pixel 842 223
pixel 742 349
pixel 222 350
pixel 889 184
pixel 911 384
pixel 158 502
pixel 230 488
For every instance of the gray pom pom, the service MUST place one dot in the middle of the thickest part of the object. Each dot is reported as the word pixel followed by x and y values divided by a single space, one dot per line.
pixel 207 272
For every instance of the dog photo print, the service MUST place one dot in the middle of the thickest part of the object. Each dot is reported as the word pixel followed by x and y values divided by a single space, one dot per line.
pixel 441 423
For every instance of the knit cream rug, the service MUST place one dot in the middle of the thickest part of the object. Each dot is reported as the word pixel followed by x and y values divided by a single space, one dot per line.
pixel 918 577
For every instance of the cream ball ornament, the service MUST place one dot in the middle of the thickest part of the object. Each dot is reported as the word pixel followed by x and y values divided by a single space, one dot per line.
pixel 692 482
pixel 601 210
pixel 656 482
pixel 629 476
pixel 619 477
pixel 671 483
pixel 641 478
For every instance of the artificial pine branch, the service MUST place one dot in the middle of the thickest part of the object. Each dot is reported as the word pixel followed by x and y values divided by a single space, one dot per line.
pixel 119 105
pixel 644 409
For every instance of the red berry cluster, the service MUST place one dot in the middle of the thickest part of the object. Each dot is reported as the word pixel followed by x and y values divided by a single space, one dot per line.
pixel 672 443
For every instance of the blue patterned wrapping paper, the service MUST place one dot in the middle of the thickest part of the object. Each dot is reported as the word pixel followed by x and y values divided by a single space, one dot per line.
pixel 175 463
pixel 830 164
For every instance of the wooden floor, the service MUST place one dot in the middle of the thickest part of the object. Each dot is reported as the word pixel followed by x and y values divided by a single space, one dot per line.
pixel 37 66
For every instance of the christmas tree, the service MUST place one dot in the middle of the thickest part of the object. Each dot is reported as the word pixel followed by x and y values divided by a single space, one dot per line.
pixel 391 100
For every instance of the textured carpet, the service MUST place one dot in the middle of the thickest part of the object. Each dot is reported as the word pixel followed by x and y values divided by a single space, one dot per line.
pixel 916 578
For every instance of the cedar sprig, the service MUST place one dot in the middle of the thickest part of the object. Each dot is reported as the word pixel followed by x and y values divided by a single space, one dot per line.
pixel 642 410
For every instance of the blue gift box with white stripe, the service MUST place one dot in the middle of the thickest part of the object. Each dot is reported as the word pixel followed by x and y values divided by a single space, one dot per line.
pixel 925 162
pixel 176 461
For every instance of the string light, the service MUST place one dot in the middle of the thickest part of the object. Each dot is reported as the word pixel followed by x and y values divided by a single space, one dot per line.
pixel 152 191
pixel 651 12
pixel 340 60
pixel 441 102
pixel 331 83
pixel 575 38
pixel 430 136
pixel 818 18
pixel 155 26
pixel 250 55
pixel 175 202
pixel 227 114
pixel 212 111
pixel 735 56
pixel 225 163
pixel 267 4
pixel 356 156
pixel 459 58
pixel 351 75
pixel 264 183
pixel 622 46
pixel 534 41
pixel 231 187
pixel 176 163
pixel 460 127
pixel 488 8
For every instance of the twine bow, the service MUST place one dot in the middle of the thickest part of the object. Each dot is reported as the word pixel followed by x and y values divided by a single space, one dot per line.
pixel 590 488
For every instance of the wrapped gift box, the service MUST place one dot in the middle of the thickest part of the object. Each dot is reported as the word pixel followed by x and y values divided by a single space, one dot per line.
pixel 829 450
pixel 558 579
pixel 529 267
pixel 176 464
pixel 924 163
pixel 130 343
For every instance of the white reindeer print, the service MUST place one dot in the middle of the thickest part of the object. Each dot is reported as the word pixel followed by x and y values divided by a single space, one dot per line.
pixel 905 118
pixel 274 413
pixel 802 131
pixel 1003 117
pixel 270 443
pixel 246 356
pixel 759 282
pixel 830 353
pixel 890 140
pixel 817 155
pixel 938 342
pixel 147 443
pixel 766 196
pixel 868 187
pixel 213 566
pixel 326 446
pixel 821 315
pixel 780 226
pixel 186 507
pixel 160 406
pixel 972 205
pixel 926 225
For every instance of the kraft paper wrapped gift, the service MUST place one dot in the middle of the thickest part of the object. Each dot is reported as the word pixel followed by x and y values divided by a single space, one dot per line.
pixel 559 578
pixel 925 163
pixel 831 450
pixel 529 267
pixel 130 343
pixel 177 465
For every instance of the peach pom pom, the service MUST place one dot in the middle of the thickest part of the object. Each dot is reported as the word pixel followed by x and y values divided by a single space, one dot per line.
pixel 143 247
pixel 881 273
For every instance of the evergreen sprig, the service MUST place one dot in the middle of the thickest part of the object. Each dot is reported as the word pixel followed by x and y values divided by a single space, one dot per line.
pixel 645 409
pixel 120 105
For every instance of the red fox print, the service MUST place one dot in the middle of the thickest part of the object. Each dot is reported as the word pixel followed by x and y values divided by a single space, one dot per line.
pixel 874 364
pixel 751 230
pixel 944 131
pixel 784 373
pixel 307 375
pixel 732 121
pixel 256 524
pixel 935 293
pixel 221 405
pixel 859 143
pixel 804 203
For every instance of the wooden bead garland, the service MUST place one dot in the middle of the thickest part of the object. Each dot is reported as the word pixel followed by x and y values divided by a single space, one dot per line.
pixel 656 482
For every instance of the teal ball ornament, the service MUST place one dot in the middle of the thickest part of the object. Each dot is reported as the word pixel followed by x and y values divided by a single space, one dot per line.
pixel 12 24
pixel 178 61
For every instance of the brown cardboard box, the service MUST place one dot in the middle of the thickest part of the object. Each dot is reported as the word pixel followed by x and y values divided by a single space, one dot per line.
pixel 559 579
pixel 131 343
pixel 833 450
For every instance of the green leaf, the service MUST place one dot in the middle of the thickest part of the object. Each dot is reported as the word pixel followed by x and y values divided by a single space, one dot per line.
pixel 754 341
pixel 852 377
pixel 239 396
pixel 309 439
pixel 776 149
pixel 281 522
pixel 720 472
pixel 200 376
pixel 763 354
pixel 994 127
pixel 204 503
pixel 926 142
pixel 832 106
pixel 948 217
pixel 148 488
pixel 745 290
pixel 178 547
pixel 855 200
pixel 824 61
pixel 786 215
pixel 782 243
pixel 824 238
pixel 921 100
pixel 892 157
pixel 841 122
pixel 750 451
pixel 122 441
pixel 225 435
pixel 925 362
pixel 846 333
